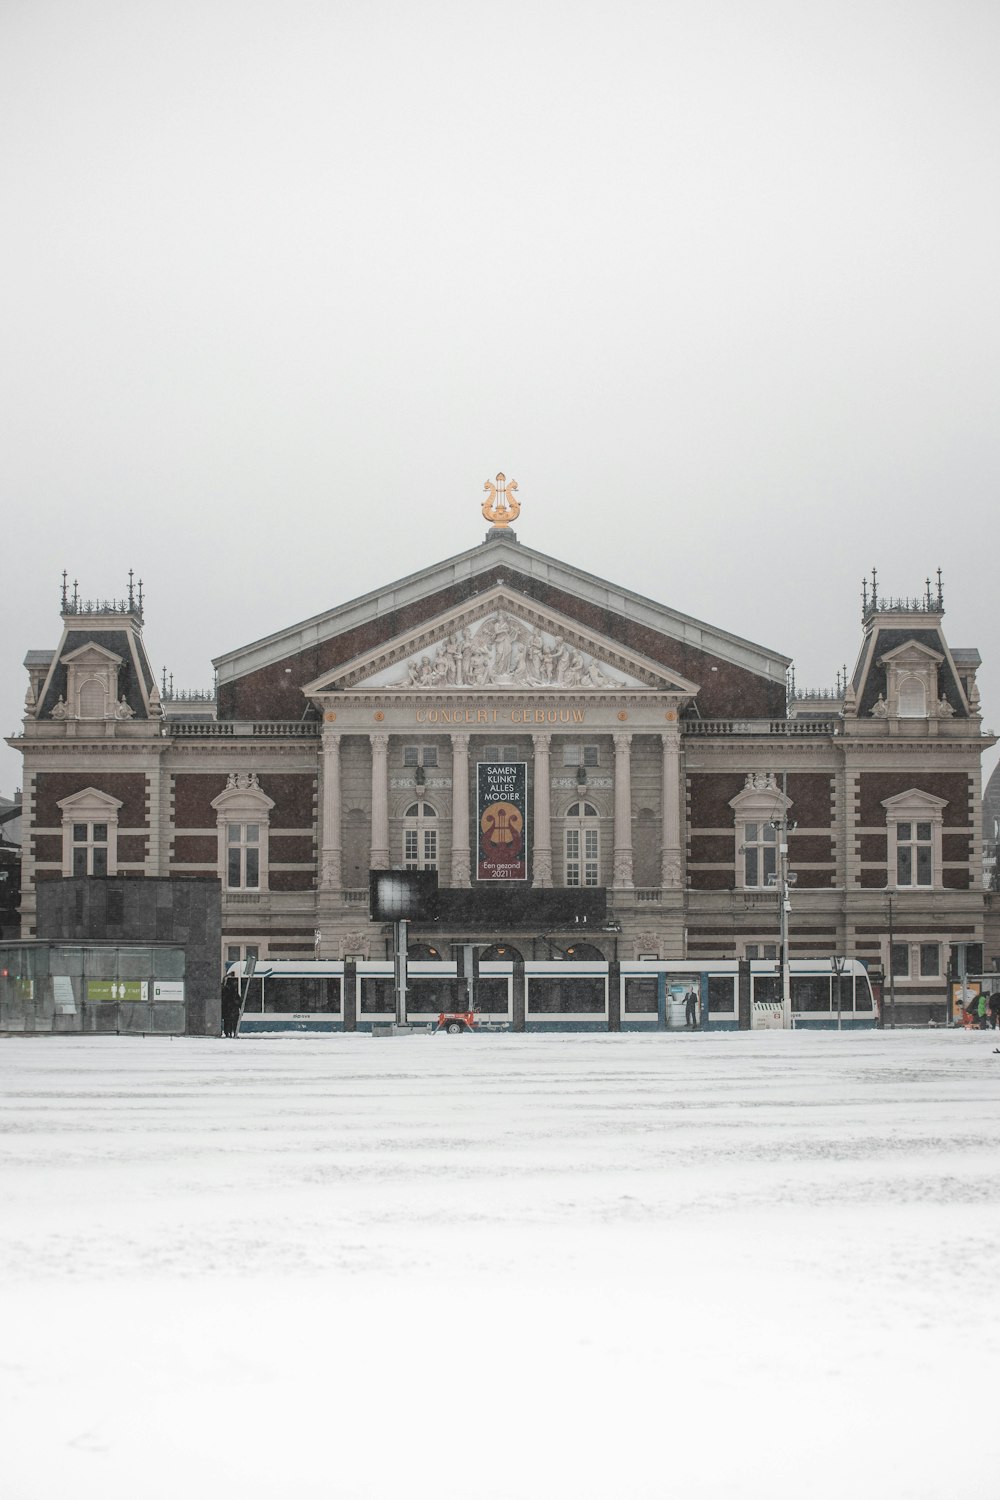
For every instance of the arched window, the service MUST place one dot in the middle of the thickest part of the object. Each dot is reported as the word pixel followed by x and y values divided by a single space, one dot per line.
pixel 243 812
pixel 912 698
pixel 501 953
pixel 420 837
pixel 582 844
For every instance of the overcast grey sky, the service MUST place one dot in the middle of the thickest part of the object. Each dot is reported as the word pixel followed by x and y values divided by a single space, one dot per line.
pixel 283 283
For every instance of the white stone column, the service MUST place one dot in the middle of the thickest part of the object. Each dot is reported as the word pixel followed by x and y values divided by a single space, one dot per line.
pixel 461 873
pixel 542 838
pixel 622 876
pixel 380 802
pixel 331 841
pixel 670 844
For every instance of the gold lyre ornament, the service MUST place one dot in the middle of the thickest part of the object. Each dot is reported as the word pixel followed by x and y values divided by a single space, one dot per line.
pixel 502 506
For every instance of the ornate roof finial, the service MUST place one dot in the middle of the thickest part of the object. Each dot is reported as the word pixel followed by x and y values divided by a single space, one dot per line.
pixel 864 599
pixel 140 598
pixel 131 595
pixel 874 588
pixel 65 592
pixel 940 592
pixel 502 505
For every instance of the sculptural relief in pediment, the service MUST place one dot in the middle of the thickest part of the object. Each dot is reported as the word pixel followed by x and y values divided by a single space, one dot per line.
pixel 502 652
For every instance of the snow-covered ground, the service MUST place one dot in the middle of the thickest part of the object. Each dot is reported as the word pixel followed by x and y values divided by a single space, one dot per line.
pixel 488 1268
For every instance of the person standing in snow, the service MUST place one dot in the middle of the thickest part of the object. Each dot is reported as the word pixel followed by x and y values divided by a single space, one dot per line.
pixel 995 1010
pixel 230 1005
pixel 981 1009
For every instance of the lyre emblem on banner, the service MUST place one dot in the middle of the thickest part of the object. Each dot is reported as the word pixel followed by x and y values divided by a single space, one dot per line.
pixel 501 824
pixel 502 506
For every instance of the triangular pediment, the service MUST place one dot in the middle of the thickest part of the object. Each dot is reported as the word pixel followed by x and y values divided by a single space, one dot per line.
pixel 92 655
pixel 500 641
pixel 911 654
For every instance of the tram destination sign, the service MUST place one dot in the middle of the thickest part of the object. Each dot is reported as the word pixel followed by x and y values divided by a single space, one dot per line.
pixel 502 820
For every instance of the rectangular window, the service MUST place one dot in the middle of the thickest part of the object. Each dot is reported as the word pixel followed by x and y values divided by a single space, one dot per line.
pixel 900 961
pixel 721 994
pixel 930 960
pixel 810 992
pixel 762 950
pixel 581 755
pixel 243 856
pixel 590 850
pixel 572 856
pixel 420 755
pixel 430 848
pixel 90 849
pixel 914 854
pixel 760 854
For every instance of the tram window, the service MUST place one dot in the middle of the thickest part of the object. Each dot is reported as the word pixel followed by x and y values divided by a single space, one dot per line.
pixel 491 996
pixel 378 996
pixel 863 999
pixel 721 993
pixel 811 992
pixel 766 987
pixel 427 997
pixel 301 993
pixel 640 996
pixel 566 996
pixel 254 994
pixel 846 987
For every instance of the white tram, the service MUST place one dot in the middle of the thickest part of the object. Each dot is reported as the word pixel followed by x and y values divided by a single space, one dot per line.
pixel 288 995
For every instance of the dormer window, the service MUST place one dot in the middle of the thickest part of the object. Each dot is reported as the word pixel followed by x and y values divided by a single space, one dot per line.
pixel 911 678
pixel 91 683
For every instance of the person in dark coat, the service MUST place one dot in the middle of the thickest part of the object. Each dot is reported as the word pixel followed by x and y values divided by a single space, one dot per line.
pixel 230 1005
pixel 691 1008
pixel 995 1010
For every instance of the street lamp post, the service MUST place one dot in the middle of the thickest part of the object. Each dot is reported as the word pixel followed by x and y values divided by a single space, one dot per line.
pixel 838 966
pixel 785 908
pixel 892 975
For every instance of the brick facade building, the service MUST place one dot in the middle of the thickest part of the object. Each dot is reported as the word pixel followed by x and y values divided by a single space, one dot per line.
pixel 663 760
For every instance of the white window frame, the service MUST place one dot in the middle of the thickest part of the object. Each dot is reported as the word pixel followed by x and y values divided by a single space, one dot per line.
pixel 236 807
pixel 88 807
pixel 913 977
pixel 582 845
pixel 424 829
pixel 420 755
pixel 243 839
pixel 910 808
pixel 754 807
pixel 574 754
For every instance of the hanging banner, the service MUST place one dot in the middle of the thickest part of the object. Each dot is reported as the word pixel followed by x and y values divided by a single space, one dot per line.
pixel 502 820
